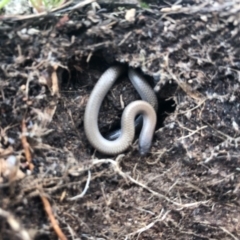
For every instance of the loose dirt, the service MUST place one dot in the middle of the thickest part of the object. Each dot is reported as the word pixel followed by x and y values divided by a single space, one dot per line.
pixel 187 187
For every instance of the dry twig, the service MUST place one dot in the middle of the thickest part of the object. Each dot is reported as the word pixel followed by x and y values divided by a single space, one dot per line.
pixel 15 225
pixel 52 219
pixel 26 146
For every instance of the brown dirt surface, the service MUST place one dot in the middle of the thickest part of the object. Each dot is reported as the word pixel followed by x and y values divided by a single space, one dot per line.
pixel 187 187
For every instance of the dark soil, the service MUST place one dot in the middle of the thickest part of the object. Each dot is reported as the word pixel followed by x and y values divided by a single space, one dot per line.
pixel 187 187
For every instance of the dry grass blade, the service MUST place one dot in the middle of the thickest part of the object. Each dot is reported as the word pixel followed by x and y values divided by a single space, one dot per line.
pixel 61 8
